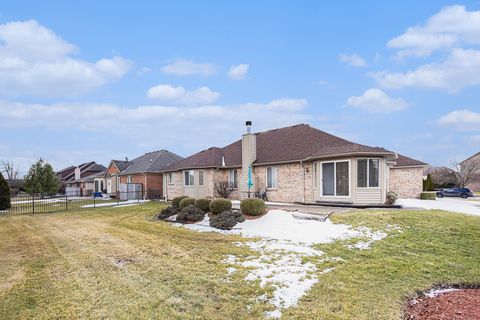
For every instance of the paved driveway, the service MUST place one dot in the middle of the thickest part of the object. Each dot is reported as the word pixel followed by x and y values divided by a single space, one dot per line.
pixel 467 206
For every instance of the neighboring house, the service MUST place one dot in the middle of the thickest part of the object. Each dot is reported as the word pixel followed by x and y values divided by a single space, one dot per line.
pixel 473 161
pixel 405 175
pixel 112 177
pixel 297 163
pixel 82 177
pixel 88 185
pixel 76 172
pixel 145 170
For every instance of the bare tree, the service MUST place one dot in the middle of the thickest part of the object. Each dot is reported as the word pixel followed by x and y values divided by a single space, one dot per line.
pixel 10 170
pixel 444 177
pixel 223 189
pixel 466 171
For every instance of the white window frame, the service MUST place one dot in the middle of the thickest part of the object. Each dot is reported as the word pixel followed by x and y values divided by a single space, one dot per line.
pixel 189 176
pixel 368 173
pixel 234 173
pixel 201 181
pixel 129 179
pixel 335 179
pixel 314 173
pixel 171 178
pixel 273 187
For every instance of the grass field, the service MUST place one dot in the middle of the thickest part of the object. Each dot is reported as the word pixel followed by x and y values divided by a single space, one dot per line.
pixel 118 263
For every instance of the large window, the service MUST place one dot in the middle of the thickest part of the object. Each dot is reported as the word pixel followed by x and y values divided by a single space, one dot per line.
pixel 272 177
pixel 189 178
pixel 233 179
pixel 368 173
pixel 200 177
pixel 336 179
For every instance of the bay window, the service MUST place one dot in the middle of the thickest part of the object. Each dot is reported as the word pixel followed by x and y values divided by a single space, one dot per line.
pixel 336 178
pixel 368 173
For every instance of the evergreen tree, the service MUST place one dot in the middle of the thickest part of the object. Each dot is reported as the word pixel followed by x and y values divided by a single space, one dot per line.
pixel 41 179
pixel 4 194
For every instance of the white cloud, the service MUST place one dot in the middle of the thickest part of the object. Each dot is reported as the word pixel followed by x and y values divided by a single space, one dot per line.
pixel 459 70
pixel 353 60
pixel 463 120
pixel 35 61
pixel 166 92
pixel 450 27
pixel 238 72
pixel 182 67
pixel 376 101
pixel 200 126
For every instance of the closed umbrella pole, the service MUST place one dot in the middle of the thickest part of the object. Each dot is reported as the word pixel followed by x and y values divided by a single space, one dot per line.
pixel 249 181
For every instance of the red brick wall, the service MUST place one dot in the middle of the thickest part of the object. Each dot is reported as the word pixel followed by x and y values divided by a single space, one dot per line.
pixel 153 181
pixel 112 169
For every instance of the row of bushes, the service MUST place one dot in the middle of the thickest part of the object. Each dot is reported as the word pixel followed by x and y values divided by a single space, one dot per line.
pixel 252 207
pixel 188 209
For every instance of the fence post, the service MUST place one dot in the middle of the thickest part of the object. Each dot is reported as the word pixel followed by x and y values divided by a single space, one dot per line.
pixel 94 200
pixel 33 204
pixel 66 202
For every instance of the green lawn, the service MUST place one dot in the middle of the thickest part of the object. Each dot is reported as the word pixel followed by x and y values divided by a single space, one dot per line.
pixel 118 263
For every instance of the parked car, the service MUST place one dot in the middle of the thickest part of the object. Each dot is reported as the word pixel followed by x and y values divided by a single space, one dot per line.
pixel 455 192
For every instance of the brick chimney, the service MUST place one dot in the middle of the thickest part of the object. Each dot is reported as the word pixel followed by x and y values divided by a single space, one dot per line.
pixel 249 155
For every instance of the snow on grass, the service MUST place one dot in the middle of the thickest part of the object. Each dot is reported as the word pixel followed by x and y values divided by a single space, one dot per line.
pixel 284 245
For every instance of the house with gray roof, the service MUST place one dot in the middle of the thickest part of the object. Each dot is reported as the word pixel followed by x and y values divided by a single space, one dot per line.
pixel 144 171
pixel 296 163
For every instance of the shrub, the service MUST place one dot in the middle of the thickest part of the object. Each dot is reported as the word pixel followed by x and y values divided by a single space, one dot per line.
pixel 391 198
pixel 4 194
pixel 428 196
pixel 226 220
pixel 219 205
pixel 167 212
pixel 176 201
pixel 203 204
pixel 252 206
pixel 223 189
pixel 186 202
pixel 190 214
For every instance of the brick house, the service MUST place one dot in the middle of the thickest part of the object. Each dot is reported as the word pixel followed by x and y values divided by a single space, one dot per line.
pixel 81 177
pixel 474 162
pixel 297 163
pixel 145 170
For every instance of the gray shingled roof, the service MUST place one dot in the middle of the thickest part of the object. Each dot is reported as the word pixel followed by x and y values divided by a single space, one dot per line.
pixel 404 161
pixel 155 161
pixel 289 144
pixel 122 164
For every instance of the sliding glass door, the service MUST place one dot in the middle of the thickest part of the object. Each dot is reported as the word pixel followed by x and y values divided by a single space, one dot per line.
pixel 336 179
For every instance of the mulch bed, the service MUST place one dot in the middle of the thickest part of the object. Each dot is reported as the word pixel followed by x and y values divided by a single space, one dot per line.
pixel 463 304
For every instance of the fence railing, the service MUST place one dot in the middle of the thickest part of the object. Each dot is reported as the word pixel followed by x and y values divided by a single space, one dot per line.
pixel 32 204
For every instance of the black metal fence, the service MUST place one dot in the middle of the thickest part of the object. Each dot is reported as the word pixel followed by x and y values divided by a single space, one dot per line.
pixel 31 204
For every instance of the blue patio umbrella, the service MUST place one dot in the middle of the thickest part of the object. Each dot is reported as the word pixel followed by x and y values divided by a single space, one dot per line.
pixel 249 181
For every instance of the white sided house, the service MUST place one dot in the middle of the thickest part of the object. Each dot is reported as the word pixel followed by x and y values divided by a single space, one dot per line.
pixel 297 164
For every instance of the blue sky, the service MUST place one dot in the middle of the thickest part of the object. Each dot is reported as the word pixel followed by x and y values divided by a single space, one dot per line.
pixel 103 80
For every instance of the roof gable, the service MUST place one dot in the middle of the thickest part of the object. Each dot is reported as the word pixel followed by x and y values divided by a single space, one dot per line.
pixel 155 161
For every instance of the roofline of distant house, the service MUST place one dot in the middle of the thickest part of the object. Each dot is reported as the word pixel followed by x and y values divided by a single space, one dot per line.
pixel 410 166
pixel 476 154
pixel 123 173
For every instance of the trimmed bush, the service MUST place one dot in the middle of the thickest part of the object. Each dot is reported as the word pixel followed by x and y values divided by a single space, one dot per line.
pixel 176 201
pixel 252 206
pixel 391 198
pixel 219 205
pixel 167 212
pixel 186 202
pixel 226 220
pixel 4 194
pixel 203 204
pixel 428 195
pixel 190 214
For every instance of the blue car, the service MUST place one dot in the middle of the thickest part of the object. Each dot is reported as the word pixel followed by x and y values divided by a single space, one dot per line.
pixel 455 192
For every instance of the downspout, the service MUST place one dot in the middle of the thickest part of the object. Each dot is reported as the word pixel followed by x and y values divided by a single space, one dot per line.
pixel 303 168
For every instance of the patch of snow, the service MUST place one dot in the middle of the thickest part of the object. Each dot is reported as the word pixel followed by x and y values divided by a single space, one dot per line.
pixel 285 242
pixel 115 204
pixel 447 204
pixel 231 270
pixel 435 292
